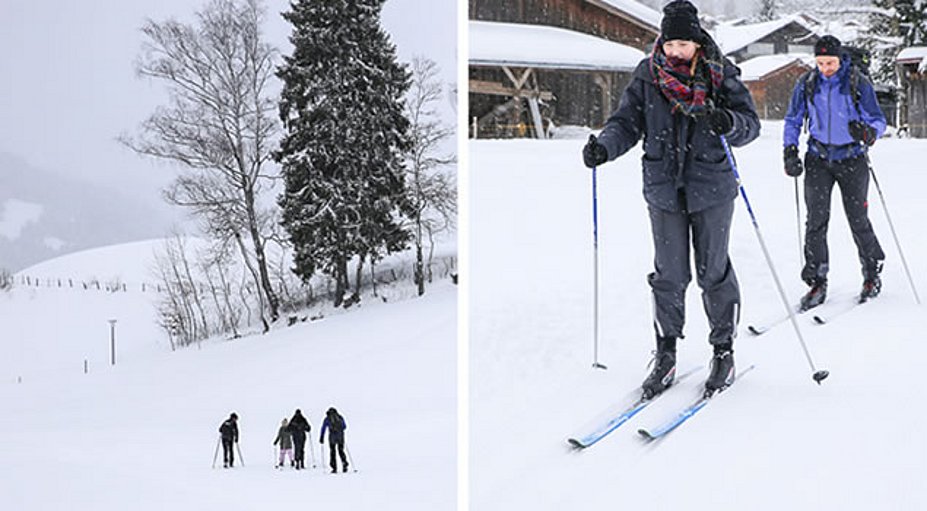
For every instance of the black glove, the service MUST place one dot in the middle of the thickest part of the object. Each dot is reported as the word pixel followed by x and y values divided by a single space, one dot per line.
pixel 793 165
pixel 862 132
pixel 720 121
pixel 594 153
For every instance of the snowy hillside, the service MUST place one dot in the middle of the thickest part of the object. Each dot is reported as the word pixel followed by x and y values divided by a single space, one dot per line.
pixel 775 440
pixel 44 214
pixel 141 435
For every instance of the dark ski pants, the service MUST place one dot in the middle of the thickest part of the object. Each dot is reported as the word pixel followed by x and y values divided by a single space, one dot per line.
pixel 300 451
pixel 228 451
pixel 852 176
pixel 338 445
pixel 709 232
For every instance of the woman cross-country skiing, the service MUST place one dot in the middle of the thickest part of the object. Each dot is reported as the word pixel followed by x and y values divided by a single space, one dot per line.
pixel 681 99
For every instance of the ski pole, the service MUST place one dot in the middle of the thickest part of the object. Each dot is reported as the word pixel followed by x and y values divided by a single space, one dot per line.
pixel 818 375
pixel 894 235
pixel 311 452
pixel 801 251
pixel 595 271
pixel 350 458
pixel 216 453
pixel 240 457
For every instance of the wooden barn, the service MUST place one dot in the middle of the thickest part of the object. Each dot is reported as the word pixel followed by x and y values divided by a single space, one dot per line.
pixel 622 21
pixel 912 70
pixel 771 80
pixel 535 65
pixel 791 34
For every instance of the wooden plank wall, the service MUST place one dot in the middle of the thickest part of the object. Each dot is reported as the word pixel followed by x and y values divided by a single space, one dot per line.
pixel 578 15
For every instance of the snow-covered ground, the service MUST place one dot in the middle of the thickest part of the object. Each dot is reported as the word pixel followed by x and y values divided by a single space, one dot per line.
pixel 141 434
pixel 775 440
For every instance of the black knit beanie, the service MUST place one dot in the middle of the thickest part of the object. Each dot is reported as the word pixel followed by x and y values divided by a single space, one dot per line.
pixel 827 46
pixel 680 21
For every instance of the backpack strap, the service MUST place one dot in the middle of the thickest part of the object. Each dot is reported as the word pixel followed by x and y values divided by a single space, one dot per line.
pixel 856 78
pixel 809 83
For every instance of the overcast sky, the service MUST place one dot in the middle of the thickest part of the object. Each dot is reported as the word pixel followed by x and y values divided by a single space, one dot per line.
pixel 68 86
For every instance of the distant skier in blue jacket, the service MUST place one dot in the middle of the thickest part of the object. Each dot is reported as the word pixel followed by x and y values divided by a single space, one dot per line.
pixel 844 120
pixel 335 424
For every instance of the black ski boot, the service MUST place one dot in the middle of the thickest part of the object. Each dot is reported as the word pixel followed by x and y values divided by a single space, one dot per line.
pixel 722 369
pixel 664 368
pixel 815 296
pixel 872 283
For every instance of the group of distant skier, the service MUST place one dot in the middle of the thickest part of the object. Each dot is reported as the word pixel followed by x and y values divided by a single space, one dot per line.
pixel 687 101
pixel 291 440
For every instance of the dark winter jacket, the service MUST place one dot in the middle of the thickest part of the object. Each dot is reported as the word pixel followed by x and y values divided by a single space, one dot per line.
pixel 681 155
pixel 830 112
pixel 299 427
pixel 284 438
pixel 229 430
pixel 335 424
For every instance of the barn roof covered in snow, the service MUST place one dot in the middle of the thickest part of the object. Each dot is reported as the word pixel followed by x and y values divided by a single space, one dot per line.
pixel 731 38
pixel 759 67
pixel 517 44
pixel 913 55
pixel 633 10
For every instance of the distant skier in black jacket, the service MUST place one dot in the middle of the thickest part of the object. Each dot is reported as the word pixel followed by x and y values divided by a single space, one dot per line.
pixel 299 427
pixel 229 432
pixel 335 424
pixel 681 99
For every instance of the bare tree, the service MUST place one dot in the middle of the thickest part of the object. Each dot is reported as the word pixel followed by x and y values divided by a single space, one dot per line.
pixel 180 298
pixel 219 124
pixel 6 279
pixel 432 191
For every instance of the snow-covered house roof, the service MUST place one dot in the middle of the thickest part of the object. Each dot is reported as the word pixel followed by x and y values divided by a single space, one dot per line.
pixel 731 38
pixel 516 44
pixel 632 9
pixel 913 55
pixel 758 68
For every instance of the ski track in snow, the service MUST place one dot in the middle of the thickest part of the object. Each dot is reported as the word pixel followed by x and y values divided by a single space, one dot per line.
pixel 141 435
pixel 774 441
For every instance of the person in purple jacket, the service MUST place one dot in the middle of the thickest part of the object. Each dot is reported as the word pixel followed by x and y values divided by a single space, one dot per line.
pixel 844 120
pixel 335 424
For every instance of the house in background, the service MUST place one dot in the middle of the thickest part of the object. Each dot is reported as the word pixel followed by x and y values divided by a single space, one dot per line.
pixel 911 64
pixel 792 34
pixel 626 22
pixel 535 65
pixel 771 80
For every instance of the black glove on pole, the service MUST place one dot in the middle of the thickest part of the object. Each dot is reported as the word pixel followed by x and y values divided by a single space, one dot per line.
pixel 862 132
pixel 793 166
pixel 594 153
pixel 720 121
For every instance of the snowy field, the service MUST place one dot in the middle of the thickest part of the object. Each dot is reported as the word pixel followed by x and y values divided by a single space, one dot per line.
pixel 775 440
pixel 141 435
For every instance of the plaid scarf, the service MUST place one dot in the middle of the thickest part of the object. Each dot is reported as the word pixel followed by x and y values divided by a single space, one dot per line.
pixel 684 82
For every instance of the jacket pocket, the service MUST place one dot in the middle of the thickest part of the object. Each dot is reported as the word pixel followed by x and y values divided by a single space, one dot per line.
pixel 656 171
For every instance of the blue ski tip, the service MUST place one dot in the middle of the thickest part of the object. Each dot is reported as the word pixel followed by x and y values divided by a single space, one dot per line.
pixel 576 444
pixel 646 435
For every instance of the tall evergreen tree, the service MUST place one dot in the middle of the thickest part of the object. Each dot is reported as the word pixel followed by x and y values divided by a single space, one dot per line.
pixel 912 16
pixel 768 10
pixel 893 26
pixel 341 157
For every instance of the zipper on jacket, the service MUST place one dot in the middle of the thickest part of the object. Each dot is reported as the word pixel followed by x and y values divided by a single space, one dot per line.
pixel 829 137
